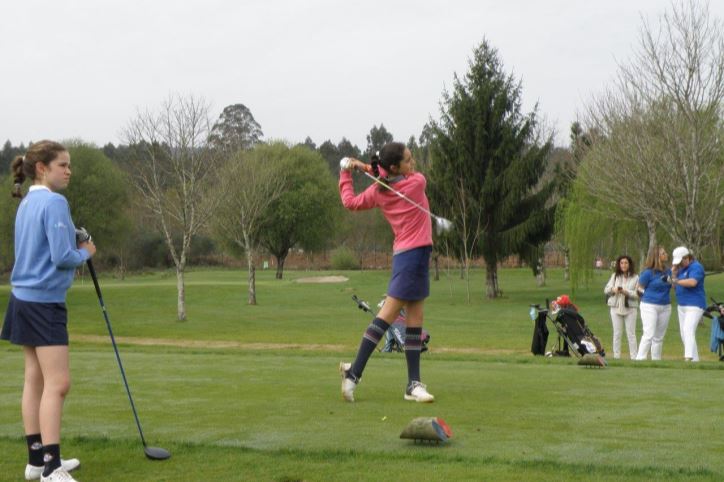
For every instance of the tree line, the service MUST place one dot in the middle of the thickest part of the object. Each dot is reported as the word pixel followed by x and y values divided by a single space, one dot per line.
pixel 643 167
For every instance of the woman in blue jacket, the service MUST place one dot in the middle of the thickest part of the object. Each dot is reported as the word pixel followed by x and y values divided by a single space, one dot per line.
pixel 655 304
pixel 46 257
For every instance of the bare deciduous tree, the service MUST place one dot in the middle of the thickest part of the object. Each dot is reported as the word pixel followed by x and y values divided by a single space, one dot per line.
pixel 250 182
pixel 658 155
pixel 172 166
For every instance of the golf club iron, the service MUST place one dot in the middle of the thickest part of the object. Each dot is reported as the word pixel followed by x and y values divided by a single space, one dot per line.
pixel 153 453
pixel 442 225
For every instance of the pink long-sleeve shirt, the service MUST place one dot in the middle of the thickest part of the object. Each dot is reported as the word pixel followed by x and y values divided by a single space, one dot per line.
pixel 411 226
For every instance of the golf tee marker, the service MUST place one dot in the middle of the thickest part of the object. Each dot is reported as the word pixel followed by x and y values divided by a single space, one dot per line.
pixel 424 429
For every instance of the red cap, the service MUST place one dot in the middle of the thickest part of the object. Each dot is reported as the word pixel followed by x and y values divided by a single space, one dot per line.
pixel 563 300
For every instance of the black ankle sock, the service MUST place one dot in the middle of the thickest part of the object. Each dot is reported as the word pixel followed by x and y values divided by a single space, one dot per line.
pixel 35 449
pixel 51 457
pixel 374 333
pixel 413 345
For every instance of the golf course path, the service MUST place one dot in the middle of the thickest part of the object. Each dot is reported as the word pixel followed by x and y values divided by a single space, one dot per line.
pixel 220 344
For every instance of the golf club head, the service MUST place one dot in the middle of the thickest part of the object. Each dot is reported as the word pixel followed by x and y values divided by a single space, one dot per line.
pixel 156 453
pixel 442 225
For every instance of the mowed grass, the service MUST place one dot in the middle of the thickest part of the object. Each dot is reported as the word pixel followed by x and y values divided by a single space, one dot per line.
pixel 276 413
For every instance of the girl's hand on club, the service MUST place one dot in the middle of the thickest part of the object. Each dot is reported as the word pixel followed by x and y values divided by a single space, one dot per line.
pixel 361 166
pixel 89 246
pixel 352 164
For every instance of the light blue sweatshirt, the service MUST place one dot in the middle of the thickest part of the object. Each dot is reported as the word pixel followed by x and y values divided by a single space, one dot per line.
pixel 46 254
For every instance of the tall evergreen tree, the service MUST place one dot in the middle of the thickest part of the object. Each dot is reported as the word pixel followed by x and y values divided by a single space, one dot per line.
pixel 236 129
pixel 487 161
pixel 378 137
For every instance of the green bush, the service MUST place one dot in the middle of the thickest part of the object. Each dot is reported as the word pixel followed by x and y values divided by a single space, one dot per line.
pixel 344 258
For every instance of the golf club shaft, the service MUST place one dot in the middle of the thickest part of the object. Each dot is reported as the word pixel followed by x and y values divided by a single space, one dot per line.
pixel 92 271
pixel 399 194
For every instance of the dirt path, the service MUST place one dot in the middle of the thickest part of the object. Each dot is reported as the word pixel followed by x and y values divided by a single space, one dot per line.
pixel 218 344
pixel 131 340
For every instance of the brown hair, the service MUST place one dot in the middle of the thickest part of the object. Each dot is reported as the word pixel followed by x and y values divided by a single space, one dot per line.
pixel 631 269
pixel 23 167
pixel 390 155
pixel 653 260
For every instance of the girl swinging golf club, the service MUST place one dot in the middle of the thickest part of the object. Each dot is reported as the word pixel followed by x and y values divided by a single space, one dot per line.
pixel 402 199
pixel 46 256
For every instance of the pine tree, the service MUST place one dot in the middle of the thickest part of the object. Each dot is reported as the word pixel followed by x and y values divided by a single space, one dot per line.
pixel 487 160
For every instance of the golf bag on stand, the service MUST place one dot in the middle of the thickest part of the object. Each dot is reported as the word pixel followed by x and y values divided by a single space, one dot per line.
pixel 395 335
pixel 574 335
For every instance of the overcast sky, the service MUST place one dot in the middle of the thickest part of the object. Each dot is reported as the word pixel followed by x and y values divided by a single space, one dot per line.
pixel 319 68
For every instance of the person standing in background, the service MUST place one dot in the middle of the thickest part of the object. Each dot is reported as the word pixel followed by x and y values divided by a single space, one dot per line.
pixel 623 301
pixel 687 277
pixel 655 306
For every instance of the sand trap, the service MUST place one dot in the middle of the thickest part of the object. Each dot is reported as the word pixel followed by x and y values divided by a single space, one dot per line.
pixel 323 279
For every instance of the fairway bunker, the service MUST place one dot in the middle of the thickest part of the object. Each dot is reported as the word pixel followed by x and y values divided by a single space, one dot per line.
pixel 323 279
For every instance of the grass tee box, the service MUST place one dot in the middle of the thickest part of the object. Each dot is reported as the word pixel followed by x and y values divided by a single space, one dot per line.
pixel 260 410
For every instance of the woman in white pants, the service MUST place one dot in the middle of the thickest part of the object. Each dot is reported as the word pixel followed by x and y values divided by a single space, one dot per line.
pixel 622 298
pixel 688 280
pixel 655 293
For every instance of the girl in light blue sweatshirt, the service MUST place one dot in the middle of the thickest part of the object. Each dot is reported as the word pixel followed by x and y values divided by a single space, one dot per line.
pixel 46 256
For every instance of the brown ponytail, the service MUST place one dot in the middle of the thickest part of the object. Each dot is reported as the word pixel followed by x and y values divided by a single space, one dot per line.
pixel 16 169
pixel 23 167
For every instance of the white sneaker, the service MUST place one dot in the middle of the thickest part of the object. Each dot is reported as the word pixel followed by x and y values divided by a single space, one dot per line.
pixel 33 472
pixel 58 475
pixel 418 392
pixel 348 385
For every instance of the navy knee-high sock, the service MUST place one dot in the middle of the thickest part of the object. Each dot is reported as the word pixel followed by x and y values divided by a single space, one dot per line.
pixel 413 347
pixel 374 333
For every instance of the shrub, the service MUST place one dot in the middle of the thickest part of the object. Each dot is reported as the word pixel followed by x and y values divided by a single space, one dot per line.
pixel 344 258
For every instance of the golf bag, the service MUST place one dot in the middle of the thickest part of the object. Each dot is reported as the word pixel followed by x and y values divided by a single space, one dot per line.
pixel 573 333
pixel 717 328
pixel 395 335
pixel 572 328
pixel 540 331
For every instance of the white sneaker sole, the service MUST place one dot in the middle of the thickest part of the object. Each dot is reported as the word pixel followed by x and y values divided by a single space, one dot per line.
pixel 347 395
pixel 34 473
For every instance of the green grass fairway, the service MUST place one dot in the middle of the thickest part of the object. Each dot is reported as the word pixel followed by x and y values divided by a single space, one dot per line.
pixel 243 392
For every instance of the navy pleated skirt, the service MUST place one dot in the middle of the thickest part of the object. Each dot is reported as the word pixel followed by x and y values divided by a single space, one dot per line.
pixel 35 324
pixel 411 274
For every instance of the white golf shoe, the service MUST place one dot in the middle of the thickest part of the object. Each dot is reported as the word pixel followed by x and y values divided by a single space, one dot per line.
pixel 417 392
pixel 34 472
pixel 348 385
pixel 58 475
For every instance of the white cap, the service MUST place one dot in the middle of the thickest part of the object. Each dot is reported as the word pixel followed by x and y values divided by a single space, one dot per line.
pixel 678 254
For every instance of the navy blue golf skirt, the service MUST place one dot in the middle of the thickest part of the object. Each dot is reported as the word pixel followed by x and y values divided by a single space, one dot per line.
pixel 411 274
pixel 35 324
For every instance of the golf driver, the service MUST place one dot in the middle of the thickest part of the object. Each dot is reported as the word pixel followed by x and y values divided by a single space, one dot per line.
pixel 442 225
pixel 153 453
